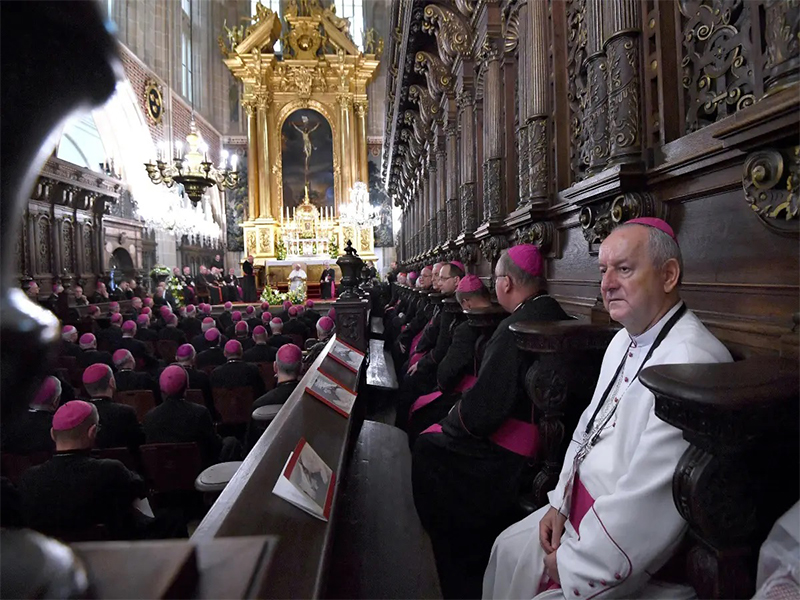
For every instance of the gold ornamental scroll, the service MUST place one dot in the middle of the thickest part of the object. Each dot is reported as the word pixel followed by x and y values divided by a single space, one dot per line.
pixel 320 69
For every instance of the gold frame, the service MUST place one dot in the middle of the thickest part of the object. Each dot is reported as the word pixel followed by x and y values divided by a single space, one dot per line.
pixel 152 84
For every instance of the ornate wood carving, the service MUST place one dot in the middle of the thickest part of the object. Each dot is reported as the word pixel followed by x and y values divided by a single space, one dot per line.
pixel 523 158
pixel 782 33
pixel 624 102
pixel 468 224
pixel 438 76
pixel 68 245
pixel 577 91
pixel 599 221
pixel 491 247
pixel 468 254
pixel 453 35
pixel 541 234
pixel 741 421
pixel 559 382
pixel 717 59
pixel 492 188
pixel 538 158
pixel 44 252
pixel 428 109
pixel 771 182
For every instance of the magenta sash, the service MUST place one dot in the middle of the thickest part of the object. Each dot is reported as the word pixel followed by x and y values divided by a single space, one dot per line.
pixel 415 358
pixel 513 435
pixel 413 348
pixel 467 381
pixel 582 501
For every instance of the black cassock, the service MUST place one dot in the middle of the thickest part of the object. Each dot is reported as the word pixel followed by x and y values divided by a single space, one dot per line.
pixel 328 288
pixel 465 485
pixel 248 282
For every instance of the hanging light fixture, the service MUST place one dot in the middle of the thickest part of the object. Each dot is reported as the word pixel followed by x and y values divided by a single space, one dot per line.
pixel 359 210
pixel 192 169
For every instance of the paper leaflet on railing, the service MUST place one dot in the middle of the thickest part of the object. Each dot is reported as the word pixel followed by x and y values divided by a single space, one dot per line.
pixel 307 482
pixel 331 392
pixel 345 354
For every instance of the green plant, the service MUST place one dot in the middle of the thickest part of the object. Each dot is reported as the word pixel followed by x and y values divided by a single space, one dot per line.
pixel 333 247
pixel 280 250
pixel 159 270
pixel 271 295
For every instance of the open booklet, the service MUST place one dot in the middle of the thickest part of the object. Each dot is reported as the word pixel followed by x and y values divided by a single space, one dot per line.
pixel 307 482
pixel 329 391
pixel 345 354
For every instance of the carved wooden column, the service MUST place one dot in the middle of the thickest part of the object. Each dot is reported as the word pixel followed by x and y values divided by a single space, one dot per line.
pixel 466 107
pixel 782 32
pixel 441 187
pixel 524 91
pixel 453 215
pixel 537 130
pixel 493 179
pixel 252 160
pixel 433 202
pixel 594 153
pixel 622 23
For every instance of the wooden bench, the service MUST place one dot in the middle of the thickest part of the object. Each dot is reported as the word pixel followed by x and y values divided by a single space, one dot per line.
pixel 381 549
pixel 302 566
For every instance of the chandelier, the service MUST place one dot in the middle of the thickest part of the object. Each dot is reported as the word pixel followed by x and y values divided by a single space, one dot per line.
pixel 192 170
pixel 359 210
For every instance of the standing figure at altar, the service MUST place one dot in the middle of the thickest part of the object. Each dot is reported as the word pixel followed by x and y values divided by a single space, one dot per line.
pixel 327 281
pixel 248 281
pixel 297 277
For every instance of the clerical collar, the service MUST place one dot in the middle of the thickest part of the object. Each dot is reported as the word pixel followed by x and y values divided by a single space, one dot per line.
pixel 648 337
pixel 536 296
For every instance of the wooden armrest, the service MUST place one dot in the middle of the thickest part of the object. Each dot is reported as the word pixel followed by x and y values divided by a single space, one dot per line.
pixel 746 399
pixel 451 305
pixel 486 317
pixel 562 336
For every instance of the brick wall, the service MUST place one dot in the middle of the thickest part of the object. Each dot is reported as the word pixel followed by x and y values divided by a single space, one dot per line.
pixel 138 74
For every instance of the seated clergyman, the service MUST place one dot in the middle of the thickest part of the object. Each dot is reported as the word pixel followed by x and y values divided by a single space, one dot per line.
pixel 611 524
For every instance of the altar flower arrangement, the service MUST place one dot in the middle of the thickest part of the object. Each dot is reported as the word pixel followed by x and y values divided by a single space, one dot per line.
pixel 297 296
pixel 275 298
pixel 280 250
pixel 176 289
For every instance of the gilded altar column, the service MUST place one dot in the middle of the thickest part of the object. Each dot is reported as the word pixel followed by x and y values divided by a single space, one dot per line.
pixel 466 107
pixel 361 141
pixel 537 134
pixel 345 175
pixel 252 160
pixel 595 142
pixel 265 211
pixel 622 23
pixel 452 181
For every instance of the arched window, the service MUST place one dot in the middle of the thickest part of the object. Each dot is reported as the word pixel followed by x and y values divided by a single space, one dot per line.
pixel 81 145
pixel 353 10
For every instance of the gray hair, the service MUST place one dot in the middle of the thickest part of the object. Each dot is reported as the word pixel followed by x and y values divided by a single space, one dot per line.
pixel 76 433
pixel 520 277
pixel 661 248
pixel 292 369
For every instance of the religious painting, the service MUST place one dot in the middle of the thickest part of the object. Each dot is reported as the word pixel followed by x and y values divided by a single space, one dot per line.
pixel 307 160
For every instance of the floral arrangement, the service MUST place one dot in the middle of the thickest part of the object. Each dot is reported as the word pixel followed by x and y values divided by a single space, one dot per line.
pixel 159 270
pixel 175 288
pixel 333 247
pixel 275 298
pixel 280 250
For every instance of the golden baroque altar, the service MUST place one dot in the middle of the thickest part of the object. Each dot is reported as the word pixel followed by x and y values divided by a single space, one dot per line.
pixel 306 128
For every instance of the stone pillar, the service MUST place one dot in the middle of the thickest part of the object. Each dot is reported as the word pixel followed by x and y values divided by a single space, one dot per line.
pixel 493 184
pixel 466 107
pixel 595 142
pixel 537 131
pixel 452 170
pixel 252 160
pixel 622 23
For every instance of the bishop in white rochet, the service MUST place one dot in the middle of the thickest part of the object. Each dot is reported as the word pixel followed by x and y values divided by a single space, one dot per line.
pixel 611 524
